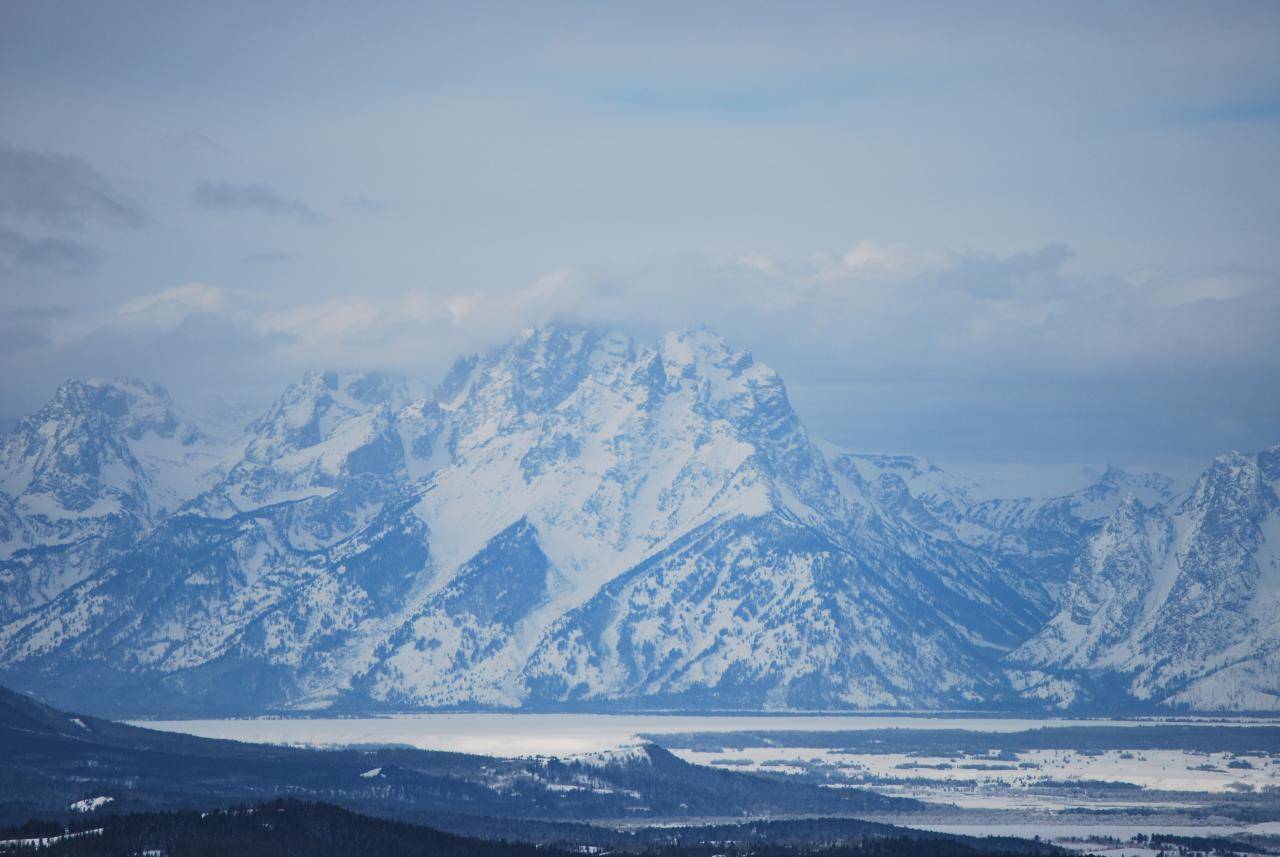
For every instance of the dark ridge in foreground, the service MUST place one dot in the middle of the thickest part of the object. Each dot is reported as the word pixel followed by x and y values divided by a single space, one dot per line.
pixel 50 759
pixel 288 827
pixel 279 828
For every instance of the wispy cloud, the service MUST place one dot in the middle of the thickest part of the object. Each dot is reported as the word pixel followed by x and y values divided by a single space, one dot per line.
pixel 60 190
pixel 892 310
pixel 267 257
pixel 231 197
pixel 194 141
pixel 25 329
pixel 741 99
pixel 54 255
pixel 169 306
pixel 884 336
pixel 1242 110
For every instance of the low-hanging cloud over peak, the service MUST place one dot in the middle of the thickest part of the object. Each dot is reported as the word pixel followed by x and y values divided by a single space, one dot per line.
pixel 878 317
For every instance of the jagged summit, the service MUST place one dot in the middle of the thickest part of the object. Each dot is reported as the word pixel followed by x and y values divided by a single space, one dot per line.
pixel 97 466
pixel 1181 600
pixel 309 410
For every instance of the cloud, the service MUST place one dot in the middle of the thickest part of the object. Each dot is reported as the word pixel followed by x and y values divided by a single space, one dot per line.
pixel 501 152
pixel 60 190
pixel 193 141
pixel 992 278
pixel 267 257
pixel 1262 109
pixel 52 255
pixel 884 346
pixel 25 329
pixel 62 328
pixel 190 338
pixel 230 197
pixel 866 260
pixel 166 308
pixel 887 312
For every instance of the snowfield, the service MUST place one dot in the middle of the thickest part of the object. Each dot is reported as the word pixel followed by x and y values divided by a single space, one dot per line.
pixel 570 734
pixel 89 804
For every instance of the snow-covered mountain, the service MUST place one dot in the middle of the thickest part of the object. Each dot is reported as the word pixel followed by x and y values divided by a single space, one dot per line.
pixel 1176 603
pixel 618 522
pixel 253 583
pixel 1038 537
pixel 574 519
pixel 84 477
pixel 326 429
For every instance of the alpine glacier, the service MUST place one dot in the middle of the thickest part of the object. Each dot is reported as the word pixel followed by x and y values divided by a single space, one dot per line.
pixel 578 519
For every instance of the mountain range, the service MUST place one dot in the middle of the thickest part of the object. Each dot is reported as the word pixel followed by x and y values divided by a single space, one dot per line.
pixel 578 520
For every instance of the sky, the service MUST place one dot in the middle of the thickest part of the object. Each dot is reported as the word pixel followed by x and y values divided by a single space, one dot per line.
pixel 1016 233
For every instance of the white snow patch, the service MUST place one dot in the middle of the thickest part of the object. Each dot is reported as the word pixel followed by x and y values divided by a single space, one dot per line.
pixel 89 804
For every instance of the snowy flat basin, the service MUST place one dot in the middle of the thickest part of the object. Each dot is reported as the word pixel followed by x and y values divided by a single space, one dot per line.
pixel 1063 834
pixel 502 734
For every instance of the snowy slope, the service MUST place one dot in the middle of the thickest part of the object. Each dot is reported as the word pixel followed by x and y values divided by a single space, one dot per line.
pixel 1179 602
pixel 80 479
pixel 255 584
pixel 762 612
pixel 322 430
pixel 1038 538
pixel 580 459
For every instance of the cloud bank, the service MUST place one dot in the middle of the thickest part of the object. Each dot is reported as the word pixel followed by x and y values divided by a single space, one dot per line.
pixel 867 338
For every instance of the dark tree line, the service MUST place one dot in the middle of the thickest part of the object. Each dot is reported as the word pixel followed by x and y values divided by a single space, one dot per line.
pixel 287 828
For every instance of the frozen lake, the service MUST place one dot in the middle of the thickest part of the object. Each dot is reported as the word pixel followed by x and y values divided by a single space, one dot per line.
pixel 568 734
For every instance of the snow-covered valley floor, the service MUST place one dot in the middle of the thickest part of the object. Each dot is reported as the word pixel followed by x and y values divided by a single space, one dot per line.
pixel 1074 796
pixel 1051 780
pixel 502 734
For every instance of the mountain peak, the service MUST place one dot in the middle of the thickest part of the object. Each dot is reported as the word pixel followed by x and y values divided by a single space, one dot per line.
pixel 366 387
pixel 696 344
pixel 89 472
pixel 1232 477
pixel 111 397
pixel 309 410
pixel 1269 463
pixel 86 416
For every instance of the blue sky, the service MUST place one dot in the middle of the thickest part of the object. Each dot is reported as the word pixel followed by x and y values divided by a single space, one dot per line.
pixel 1022 232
